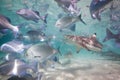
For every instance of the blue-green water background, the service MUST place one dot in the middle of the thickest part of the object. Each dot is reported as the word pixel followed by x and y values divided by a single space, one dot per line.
pixel 9 8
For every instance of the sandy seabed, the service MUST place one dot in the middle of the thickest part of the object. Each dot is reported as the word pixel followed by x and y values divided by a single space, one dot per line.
pixel 72 69
pixel 84 70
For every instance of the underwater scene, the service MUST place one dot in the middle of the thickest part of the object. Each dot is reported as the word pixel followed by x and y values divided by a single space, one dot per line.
pixel 59 39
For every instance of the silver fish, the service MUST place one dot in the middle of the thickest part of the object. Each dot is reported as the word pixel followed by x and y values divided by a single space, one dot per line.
pixel 5 24
pixel 33 36
pixel 40 51
pixel 29 14
pixel 68 6
pixel 13 46
pixel 16 67
pixel 67 21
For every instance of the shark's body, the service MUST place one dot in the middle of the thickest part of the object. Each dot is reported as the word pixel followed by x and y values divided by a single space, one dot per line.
pixel 89 43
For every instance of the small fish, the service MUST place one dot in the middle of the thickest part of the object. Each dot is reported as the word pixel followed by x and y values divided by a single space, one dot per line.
pixel 29 14
pixel 89 43
pixel 68 6
pixel 67 21
pixel 41 50
pixel 63 3
pixel 110 35
pixel 72 10
pixel 97 6
pixel 5 23
pixel 13 46
pixel 34 36
pixel 16 67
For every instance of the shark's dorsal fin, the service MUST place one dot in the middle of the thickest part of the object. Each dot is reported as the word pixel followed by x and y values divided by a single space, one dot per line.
pixel 93 36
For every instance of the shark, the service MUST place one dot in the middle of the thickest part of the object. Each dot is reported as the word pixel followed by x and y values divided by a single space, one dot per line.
pixel 89 43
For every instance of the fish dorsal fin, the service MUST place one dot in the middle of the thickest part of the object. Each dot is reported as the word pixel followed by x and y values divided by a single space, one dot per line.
pixel 37 13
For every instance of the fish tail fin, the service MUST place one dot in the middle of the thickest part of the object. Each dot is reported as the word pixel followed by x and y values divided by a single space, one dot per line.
pixel 34 66
pixel 81 19
pixel 109 36
pixel 15 31
pixel 45 18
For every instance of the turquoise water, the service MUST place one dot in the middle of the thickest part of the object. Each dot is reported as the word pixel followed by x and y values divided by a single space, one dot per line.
pixel 9 8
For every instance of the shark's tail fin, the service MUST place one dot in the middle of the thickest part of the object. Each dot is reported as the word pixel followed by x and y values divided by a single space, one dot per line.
pixel 81 19
pixel 109 35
